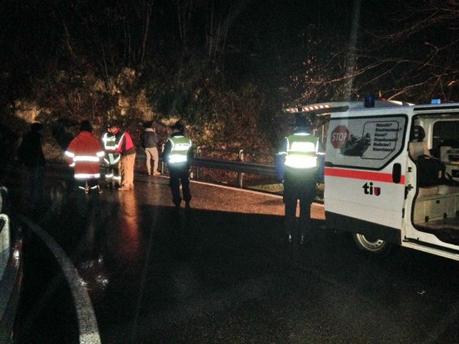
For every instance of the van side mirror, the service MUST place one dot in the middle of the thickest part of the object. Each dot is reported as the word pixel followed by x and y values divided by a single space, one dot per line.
pixel 396 173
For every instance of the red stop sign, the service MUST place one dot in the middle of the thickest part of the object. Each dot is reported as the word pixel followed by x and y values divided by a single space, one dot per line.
pixel 339 136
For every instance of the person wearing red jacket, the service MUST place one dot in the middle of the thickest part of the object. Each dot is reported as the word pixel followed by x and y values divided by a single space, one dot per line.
pixel 127 150
pixel 84 154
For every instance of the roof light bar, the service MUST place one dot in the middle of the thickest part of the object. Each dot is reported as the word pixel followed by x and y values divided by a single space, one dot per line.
pixel 321 108
pixel 308 108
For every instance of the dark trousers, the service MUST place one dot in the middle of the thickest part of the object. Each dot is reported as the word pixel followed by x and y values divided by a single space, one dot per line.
pixel 112 174
pixel 298 186
pixel 35 185
pixel 179 176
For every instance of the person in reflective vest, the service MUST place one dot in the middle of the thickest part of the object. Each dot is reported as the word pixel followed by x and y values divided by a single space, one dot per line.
pixel 178 154
pixel 85 154
pixel 299 156
pixel 110 142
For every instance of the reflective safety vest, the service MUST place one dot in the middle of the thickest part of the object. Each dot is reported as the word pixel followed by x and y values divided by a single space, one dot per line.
pixel 301 151
pixel 84 153
pixel 180 146
pixel 111 143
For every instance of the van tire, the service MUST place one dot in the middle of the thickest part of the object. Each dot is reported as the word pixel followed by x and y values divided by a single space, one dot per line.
pixel 373 246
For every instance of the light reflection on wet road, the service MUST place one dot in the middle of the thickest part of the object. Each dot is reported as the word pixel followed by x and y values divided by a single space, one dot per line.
pixel 218 273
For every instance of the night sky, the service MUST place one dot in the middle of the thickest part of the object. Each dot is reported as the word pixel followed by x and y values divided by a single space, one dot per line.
pixel 186 52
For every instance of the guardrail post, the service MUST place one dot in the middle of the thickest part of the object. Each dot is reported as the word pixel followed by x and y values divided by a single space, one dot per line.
pixel 240 175
pixel 197 169
pixel 163 164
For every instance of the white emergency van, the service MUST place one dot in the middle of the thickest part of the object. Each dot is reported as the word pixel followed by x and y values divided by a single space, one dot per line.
pixel 391 174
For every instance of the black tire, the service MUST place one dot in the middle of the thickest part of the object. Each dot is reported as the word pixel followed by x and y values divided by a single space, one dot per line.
pixel 373 246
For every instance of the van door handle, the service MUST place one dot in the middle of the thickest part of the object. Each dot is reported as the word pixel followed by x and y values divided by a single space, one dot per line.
pixel 396 173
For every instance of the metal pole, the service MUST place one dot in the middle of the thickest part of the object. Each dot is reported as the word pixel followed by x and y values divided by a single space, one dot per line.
pixel 163 170
pixel 240 175
pixel 198 170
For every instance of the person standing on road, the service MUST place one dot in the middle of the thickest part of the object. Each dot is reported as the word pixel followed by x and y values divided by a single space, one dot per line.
pixel 30 153
pixel 84 154
pixel 150 144
pixel 110 141
pixel 178 155
pixel 299 155
pixel 127 150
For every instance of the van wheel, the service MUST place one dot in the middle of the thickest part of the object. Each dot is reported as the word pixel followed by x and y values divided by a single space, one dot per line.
pixel 372 245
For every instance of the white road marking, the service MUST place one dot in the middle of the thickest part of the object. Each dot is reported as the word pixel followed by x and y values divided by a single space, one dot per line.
pixel 87 323
pixel 233 188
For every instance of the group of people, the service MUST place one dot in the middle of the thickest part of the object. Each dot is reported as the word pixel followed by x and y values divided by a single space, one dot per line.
pixel 85 153
pixel 118 151
pixel 115 152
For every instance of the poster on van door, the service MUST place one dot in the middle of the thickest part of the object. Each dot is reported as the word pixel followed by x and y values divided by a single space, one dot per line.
pixel 368 142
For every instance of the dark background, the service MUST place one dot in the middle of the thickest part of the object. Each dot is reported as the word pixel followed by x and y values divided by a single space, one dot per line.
pixel 226 67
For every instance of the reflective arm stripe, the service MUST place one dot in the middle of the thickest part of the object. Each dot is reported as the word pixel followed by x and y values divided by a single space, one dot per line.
pixel 86 175
pixel 100 154
pixel 86 158
pixel 69 154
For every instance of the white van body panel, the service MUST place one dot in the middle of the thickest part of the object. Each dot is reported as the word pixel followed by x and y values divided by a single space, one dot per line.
pixel 359 185
pixel 361 194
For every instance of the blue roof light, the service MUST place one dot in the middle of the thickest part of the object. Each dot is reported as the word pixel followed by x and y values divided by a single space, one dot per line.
pixel 369 101
pixel 435 101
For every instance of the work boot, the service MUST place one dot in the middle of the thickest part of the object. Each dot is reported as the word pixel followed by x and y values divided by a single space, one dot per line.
pixel 302 239
pixel 289 238
pixel 305 237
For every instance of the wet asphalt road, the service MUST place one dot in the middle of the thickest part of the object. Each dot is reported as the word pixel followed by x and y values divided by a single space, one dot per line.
pixel 219 273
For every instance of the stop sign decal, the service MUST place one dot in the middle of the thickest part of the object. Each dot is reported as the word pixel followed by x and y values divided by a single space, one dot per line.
pixel 339 136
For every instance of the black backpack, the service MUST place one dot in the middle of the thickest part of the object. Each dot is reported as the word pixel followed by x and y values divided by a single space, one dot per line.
pixel 430 171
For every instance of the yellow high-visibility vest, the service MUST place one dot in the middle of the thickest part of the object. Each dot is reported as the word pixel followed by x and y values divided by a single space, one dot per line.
pixel 301 151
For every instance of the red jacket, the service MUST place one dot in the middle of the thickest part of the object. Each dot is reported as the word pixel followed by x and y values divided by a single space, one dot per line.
pixel 85 153
pixel 126 145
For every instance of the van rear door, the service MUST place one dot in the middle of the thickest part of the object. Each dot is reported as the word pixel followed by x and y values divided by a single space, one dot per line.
pixel 365 174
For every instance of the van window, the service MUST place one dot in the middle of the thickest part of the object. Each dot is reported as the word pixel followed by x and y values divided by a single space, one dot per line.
pixel 445 133
pixel 365 142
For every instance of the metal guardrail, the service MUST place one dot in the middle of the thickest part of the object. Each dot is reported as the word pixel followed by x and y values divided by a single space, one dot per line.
pixel 237 166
